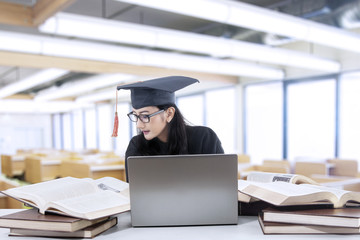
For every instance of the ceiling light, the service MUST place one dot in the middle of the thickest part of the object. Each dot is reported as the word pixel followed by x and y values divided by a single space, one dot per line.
pixel 38 78
pixel 253 17
pixel 103 96
pixel 50 46
pixel 30 106
pixel 72 89
pixel 130 33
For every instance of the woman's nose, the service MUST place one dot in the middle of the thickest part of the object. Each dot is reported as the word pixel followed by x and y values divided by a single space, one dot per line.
pixel 139 124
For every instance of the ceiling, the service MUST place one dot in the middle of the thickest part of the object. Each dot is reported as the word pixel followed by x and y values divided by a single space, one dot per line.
pixel 25 17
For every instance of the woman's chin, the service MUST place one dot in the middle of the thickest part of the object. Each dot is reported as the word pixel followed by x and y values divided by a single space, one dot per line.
pixel 148 137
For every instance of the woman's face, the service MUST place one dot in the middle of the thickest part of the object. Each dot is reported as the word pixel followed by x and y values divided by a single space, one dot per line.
pixel 156 127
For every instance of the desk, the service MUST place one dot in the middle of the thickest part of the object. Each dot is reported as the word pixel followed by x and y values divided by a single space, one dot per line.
pixel 247 228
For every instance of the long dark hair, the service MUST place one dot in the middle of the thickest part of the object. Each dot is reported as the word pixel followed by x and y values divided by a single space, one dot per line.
pixel 177 138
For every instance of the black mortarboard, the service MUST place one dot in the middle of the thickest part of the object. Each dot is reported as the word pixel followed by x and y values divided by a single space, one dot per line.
pixel 157 91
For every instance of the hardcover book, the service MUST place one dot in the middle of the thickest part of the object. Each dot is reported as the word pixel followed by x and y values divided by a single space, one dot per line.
pixel 88 232
pixel 32 219
pixel 288 228
pixel 341 217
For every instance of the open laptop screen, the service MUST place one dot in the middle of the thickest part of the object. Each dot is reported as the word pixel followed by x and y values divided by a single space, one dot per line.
pixel 183 189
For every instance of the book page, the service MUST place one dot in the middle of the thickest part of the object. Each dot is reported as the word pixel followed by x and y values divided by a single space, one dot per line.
pixel 44 192
pixel 92 205
pixel 282 193
pixel 338 192
pixel 270 177
pixel 341 194
pixel 113 184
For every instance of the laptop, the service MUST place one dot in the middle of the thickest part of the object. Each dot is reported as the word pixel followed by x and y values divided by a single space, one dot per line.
pixel 176 190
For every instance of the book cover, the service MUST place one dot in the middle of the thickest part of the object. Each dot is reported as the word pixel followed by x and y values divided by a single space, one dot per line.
pixel 340 217
pixel 254 208
pixel 32 219
pixel 288 228
pixel 88 232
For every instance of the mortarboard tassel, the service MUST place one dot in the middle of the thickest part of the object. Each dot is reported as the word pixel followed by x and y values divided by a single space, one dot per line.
pixel 116 120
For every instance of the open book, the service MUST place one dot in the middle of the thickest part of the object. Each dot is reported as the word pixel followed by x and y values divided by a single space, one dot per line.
pixel 82 198
pixel 266 177
pixel 283 193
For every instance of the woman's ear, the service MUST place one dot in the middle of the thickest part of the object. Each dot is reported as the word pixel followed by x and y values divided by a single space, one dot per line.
pixel 170 113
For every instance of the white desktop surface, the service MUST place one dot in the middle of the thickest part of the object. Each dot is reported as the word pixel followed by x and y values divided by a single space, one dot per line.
pixel 248 227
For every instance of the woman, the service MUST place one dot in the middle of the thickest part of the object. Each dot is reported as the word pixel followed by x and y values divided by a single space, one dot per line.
pixel 163 130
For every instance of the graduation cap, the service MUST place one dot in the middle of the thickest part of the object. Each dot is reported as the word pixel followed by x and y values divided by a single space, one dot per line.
pixel 157 91
pixel 154 92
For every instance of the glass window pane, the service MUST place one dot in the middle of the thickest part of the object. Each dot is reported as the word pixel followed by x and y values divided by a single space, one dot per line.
pixel 311 119
pixel 57 131
pixel 263 121
pixel 90 128
pixel 349 127
pixel 192 108
pixel 78 122
pixel 105 115
pixel 122 141
pixel 67 131
pixel 220 116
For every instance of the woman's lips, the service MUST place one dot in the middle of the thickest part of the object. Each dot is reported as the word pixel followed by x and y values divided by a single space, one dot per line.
pixel 146 132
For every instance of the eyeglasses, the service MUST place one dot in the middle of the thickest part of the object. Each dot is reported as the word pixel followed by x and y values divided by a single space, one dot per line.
pixel 144 118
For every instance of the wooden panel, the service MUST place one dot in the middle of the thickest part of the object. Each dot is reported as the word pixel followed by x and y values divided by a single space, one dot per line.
pixel 6 165
pixel 44 9
pixel 88 66
pixel 7 202
pixel 11 167
pixel 243 158
pixel 33 170
pixel 49 172
pixel 343 167
pixel 311 168
pixel 74 169
pixel 119 174
pixel 15 14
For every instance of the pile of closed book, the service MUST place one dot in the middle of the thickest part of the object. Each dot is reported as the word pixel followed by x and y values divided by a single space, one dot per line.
pixel 295 204
pixel 29 222
pixel 311 221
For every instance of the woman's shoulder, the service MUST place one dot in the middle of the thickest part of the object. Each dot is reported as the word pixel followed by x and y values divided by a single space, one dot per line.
pixel 203 140
pixel 199 130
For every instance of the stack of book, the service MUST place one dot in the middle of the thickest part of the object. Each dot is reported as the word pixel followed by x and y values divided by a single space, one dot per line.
pixel 67 207
pixel 32 223
pixel 295 204
pixel 314 221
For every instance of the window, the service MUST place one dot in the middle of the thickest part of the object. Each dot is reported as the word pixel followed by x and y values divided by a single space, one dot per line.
pixel 105 115
pixel 123 138
pixel 221 116
pixel 349 127
pixel 67 131
pixel 192 108
pixel 57 131
pixel 90 128
pixel 311 119
pixel 263 121
pixel 78 123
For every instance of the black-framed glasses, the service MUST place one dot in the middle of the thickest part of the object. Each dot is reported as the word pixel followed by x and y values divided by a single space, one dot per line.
pixel 143 117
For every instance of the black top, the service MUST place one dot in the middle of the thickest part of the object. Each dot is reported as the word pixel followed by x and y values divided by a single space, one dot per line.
pixel 201 140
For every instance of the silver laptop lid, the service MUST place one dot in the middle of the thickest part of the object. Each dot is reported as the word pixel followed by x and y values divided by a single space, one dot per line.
pixel 183 190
